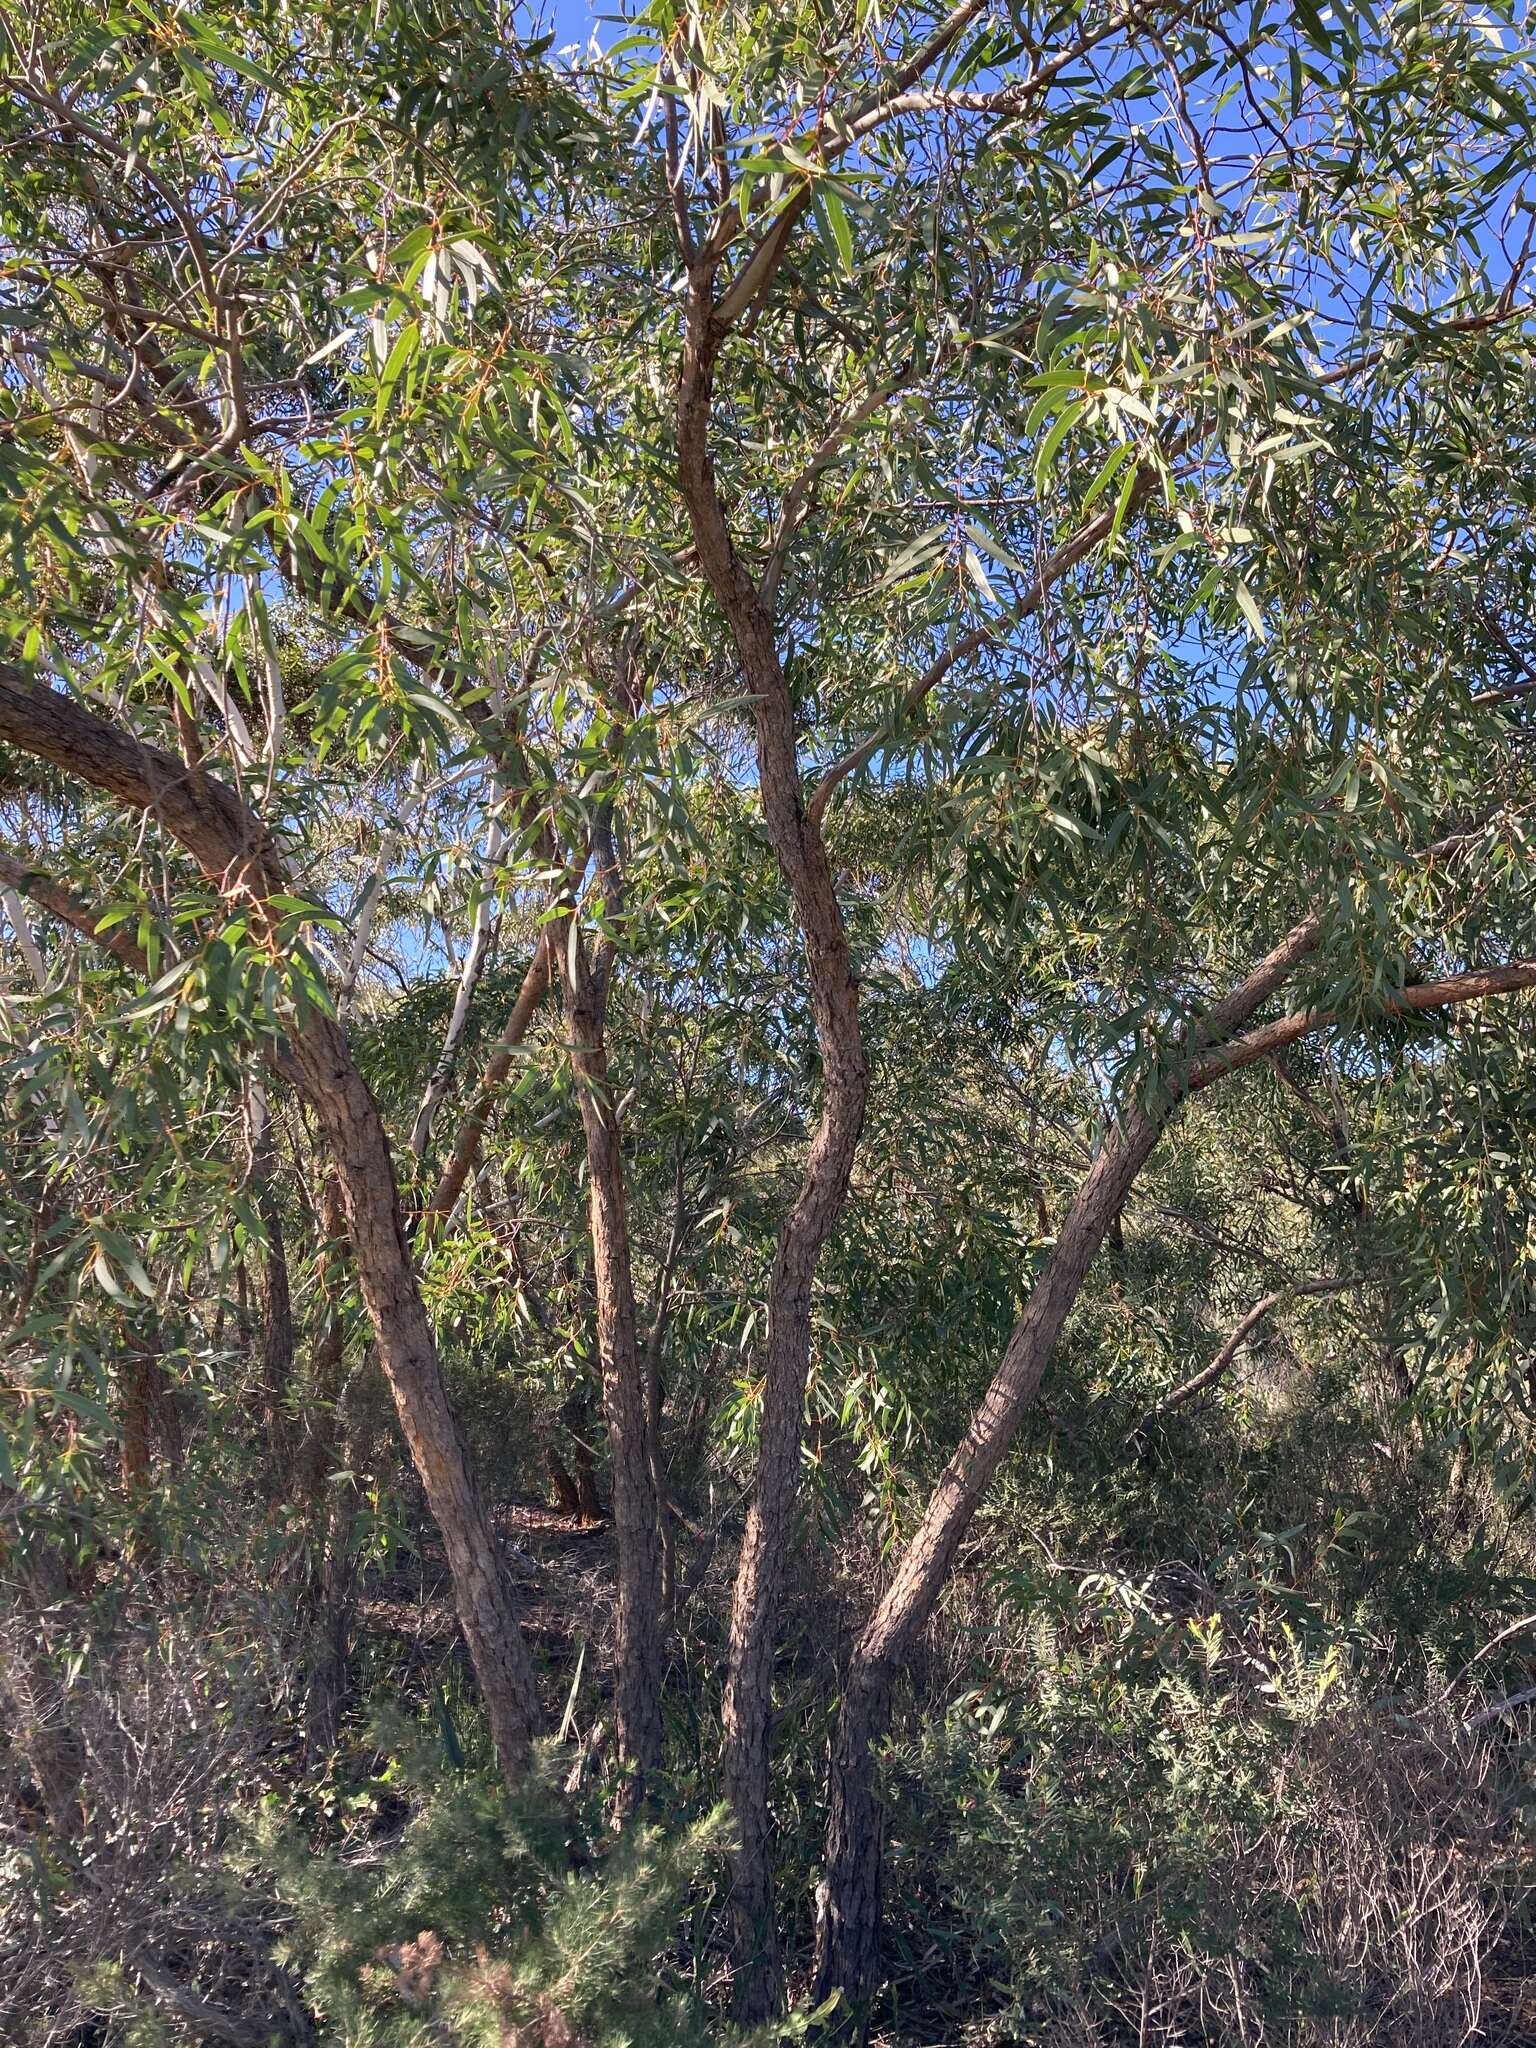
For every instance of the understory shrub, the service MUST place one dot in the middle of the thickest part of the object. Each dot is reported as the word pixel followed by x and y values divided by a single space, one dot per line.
pixel 1226 1853
pixel 169 1878
pixel 485 1919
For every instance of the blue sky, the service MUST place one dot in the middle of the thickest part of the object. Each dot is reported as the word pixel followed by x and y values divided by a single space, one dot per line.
pixel 572 20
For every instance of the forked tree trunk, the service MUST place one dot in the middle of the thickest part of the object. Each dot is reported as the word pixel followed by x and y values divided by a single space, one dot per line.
pixel 802 857
pixel 848 1898
pixel 236 853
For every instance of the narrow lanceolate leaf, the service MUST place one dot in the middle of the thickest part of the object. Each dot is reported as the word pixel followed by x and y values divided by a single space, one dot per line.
pixel 829 202
pixel 1247 604
pixel 763 835
pixel 1057 433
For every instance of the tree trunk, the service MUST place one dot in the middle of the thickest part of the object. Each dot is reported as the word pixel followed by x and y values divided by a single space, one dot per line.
pixel 847 1932
pixel 326 1695
pixel 408 1354
pixel 589 1501
pixel 654 1399
pixel 848 1899
pixel 638 1641
pixel 236 853
pixel 275 1389
pixel 276 1319
pixel 150 1419
pixel 322 1452
pixel 576 1418
pixel 567 1497
pixel 655 1390
pixel 802 857
pixel 137 1425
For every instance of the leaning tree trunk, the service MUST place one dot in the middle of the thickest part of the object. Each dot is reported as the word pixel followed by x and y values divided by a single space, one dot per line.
pixel 848 1898
pixel 236 853
pixel 802 857
pixel 355 1137
pixel 847 1941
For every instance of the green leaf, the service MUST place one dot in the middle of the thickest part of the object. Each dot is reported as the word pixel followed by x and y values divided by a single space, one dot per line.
pixel 829 204
pixel 1248 606
pixel 1063 425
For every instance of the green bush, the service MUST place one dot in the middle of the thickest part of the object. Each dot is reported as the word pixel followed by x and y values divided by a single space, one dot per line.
pixel 1238 1845
pixel 459 1913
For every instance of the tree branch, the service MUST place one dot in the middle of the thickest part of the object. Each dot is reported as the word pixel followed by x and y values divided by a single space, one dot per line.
pixel 759 268
pixel 1208 1375
pixel 1449 992
pixel 233 849
pixel 1067 556
pixel 796 502
pixel 52 896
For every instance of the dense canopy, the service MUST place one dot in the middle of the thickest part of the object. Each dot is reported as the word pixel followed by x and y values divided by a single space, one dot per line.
pixel 765 918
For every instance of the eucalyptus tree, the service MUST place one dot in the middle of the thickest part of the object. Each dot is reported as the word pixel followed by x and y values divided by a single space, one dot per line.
pixel 1194 308
pixel 1029 506
pixel 190 206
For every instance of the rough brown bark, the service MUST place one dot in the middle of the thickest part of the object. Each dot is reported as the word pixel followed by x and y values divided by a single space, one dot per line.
pixel 589 1501
pixel 317 1455
pixel 151 1426
pixel 577 1495
pixel 655 1391
pixel 356 1140
pixel 137 1425
pixel 328 1507
pixel 326 1694
pixel 802 857
pixel 235 852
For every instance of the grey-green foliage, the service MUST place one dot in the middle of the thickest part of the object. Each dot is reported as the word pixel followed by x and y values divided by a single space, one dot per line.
pixel 1237 1845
